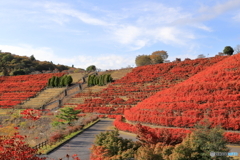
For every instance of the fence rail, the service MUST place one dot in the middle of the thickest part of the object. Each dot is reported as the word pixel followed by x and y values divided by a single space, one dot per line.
pixel 65 95
pixel 40 145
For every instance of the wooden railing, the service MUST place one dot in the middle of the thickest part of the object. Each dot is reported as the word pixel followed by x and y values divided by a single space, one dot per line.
pixel 40 145
pixel 65 95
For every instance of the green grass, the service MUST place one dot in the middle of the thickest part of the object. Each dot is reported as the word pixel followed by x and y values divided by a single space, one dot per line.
pixel 48 148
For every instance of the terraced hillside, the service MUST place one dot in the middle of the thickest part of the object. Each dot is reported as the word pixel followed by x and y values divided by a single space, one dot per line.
pixel 137 85
pixel 77 77
pixel 49 94
pixel 17 89
pixel 212 94
pixel 42 98
pixel 88 92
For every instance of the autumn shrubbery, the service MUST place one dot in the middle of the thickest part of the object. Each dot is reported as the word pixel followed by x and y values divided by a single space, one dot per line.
pixel 161 144
pixel 68 126
pixel 56 136
pixel 89 120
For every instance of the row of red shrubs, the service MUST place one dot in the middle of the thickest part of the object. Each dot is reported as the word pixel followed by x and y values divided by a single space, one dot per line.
pixel 177 133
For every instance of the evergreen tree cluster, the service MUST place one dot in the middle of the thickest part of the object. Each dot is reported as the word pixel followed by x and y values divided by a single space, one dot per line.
pixel 55 81
pixel 99 80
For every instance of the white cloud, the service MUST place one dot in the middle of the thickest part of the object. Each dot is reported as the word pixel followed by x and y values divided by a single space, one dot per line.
pixel 127 34
pixel 203 27
pixel 149 23
pixel 110 61
pixel 218 9
pixel 236 17
pixel 206 13
pixel 63 9
pixel 134 27
pixel 138 44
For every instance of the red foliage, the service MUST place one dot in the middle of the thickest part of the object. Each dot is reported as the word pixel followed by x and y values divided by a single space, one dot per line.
pixel 212 94
pixel 16 89
pixel 15 148
pixel 150 135
pixel 140 84
pixel 97 153
pixel 166 135
pixel 56 136
pixel 31 114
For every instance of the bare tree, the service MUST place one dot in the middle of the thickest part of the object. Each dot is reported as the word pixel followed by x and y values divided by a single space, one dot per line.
pixel 201 56
pixel 237 49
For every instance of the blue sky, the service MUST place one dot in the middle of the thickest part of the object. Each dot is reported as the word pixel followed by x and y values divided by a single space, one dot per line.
pixel 111 33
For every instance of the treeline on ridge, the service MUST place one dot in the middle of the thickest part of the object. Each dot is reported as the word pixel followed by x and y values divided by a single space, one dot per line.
pixel 155 58
pixel 12 65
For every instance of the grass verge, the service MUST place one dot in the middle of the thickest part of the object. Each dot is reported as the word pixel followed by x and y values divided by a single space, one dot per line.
pixel 48 148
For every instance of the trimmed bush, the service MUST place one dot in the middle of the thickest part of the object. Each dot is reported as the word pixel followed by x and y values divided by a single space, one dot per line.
pixel 65 80
pixel 99 80
pixel 56 81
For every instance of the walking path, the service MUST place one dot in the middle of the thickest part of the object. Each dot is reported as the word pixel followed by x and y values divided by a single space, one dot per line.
pixel 80 144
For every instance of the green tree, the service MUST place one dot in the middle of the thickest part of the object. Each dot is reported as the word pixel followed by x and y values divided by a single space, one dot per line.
pixel 151 151
pixel 68 114
pixel 68 80
pixel 7 57
pixel 64 81
pixel 228 50
pixel 56 82
pixel 91 68
pixel 156 58
pixel 116 146
pixel 143 60
pixel 105 79
pixel 49 82
pixel 201 56
pixel 18 72
pixel 200 143
pixel 61 81
pixel 161 53
pixel 32 58
pixel 101 81
pixel 52 83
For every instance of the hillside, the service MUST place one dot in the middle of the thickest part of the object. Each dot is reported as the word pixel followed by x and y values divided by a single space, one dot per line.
pixel 212 94
pixel 17 89
pixel 11 64
pixel 137 85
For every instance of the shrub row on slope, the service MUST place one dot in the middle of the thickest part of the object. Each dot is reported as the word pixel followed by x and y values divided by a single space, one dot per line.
pixel 175 135
pixel 141 83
